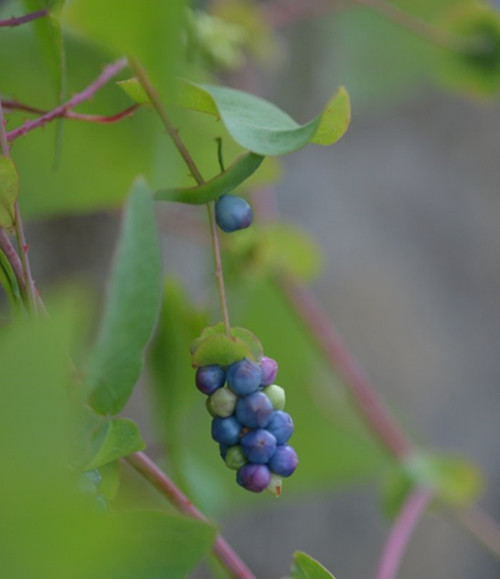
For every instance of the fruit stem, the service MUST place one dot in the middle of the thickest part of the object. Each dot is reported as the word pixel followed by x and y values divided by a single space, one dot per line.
pixel 222 550
pixel 193 169
pixel 400 535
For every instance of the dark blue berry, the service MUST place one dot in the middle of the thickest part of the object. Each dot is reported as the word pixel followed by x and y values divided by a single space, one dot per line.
pixel 243 377
pixel 223 450
pixel 253 477
pixel 269 368
pixel 284 461
pixel 258 446
pixel 226 430
pixel 255 410
pixel 209 379
pixel 281 426
pixel 232 213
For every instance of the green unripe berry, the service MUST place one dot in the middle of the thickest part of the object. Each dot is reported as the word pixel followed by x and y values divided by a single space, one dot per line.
pixel 276 395
pixel 235 458
pixel 222 402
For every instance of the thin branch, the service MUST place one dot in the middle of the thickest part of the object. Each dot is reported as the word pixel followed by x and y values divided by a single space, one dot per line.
pixel 18 20
pixel 69 114
pixel 108 73
pixel 193 169
pixel 341 360
pixel 481 526
pixel 224 553
pixel 11 254
pixel 401 532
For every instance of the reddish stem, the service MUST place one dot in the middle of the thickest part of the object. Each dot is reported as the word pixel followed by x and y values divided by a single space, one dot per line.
pixel 11 254
pixel 18 20
pixel 224 553
pixel 108 73
pixel 401 532
pixel 342 361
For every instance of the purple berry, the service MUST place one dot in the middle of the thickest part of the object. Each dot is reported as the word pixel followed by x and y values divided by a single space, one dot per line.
pixel 258 446
pixel 255 410
pixel 284 461
pixel 232 213
pixel 269 369
pixel 243 377
pixel 209 379
pixel 226 430
pixel 281 426
pixel 253 477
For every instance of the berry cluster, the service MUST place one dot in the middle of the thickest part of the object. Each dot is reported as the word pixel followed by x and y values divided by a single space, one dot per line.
pixel 232 213
pixel 249 422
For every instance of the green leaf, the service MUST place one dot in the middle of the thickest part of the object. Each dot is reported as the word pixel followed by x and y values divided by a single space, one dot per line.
pixel 262 127
pixel 131 307
pixel 9 190
pixel 305 567
pixel 215 347
pixel 222 184
pixel 134 89
pixel 9 282
pixel 476 71
pixel 50 37
pixel 156 545
pixel 110 482
pixel 113 439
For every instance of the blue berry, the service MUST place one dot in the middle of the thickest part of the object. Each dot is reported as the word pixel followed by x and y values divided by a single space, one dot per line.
pixel 255 410
pixel 269 368
pixel 243 377
pixel 258 446
pixel 209 379
pixel 226 430
pixel 223 450
pixel 232 213
pixel 253 477
pixel 284 461
pixel 281 426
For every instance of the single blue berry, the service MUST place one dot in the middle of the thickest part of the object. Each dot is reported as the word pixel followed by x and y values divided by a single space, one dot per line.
pixel 284 461
pixel 209 379
pixel 269 368
pixel 280 426
pixel 243 377
pixel 253 477
pixel 255 410
pixel 232 213
pixel 258 446
pixel 226 430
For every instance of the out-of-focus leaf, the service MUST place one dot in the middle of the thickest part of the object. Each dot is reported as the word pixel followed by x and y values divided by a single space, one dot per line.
pixel 9 190
pixel 305 567
pixel 475 71
pixel 214 346
pixel 222 184
pixel 110 480
pixel 51 40
pixel 131 308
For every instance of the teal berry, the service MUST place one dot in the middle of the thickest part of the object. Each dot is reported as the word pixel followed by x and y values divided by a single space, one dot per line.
pixel 232 213
pixel 276 395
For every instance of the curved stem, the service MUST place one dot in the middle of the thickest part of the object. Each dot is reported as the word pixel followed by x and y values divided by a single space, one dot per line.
pixel 222 550
pixel 481 526
pixel 401 532
pixel 193 169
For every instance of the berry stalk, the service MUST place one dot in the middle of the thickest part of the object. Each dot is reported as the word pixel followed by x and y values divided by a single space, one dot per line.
pixel 222 550
pixel 193 169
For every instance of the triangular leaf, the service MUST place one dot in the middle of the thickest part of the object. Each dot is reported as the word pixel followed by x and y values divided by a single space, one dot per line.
pixel 131 308
pixel 305 567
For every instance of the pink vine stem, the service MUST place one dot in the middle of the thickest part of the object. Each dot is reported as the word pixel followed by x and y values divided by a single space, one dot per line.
pixel 18 20
pixel 108 73
pixel 401 532
pixel 222 550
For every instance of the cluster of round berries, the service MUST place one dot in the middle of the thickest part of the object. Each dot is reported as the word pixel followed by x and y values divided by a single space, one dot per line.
pixel 249 423
pixel 232 213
